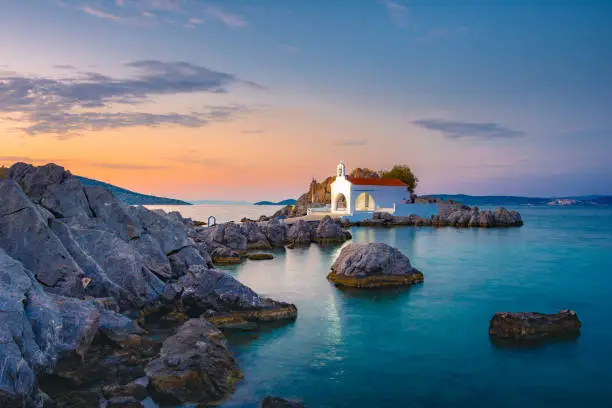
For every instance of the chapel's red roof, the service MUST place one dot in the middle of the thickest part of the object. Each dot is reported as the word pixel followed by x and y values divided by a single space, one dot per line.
pixel 377 182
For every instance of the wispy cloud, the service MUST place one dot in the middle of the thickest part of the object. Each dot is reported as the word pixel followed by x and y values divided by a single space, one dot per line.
pixel 67 67
pixel 398 12
pixel 70 105
pixel 99 13
pixel 468 130
pixel 229 19
pixel 352 142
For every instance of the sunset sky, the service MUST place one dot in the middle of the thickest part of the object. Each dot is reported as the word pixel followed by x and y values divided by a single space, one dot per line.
pixel 249 99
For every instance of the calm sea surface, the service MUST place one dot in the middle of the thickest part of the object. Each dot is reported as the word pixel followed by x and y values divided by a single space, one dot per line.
pixel 428 346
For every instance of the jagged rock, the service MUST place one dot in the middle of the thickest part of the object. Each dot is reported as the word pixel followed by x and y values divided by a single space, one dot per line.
pixel 534 326
pixel 25 235
pixel 276 402
pixel 220 296
pixel 194 365
pixel 112 212
pixel 373 265
pixel 183 259
pixel 300 233
pixel 329 232
pixel 153 258
pixel 137 390
pixel 170 233
pixel 256 237
pixel 276 233
pixel 53 188
pixel 203 247
pixel 222 255
pixel 119 328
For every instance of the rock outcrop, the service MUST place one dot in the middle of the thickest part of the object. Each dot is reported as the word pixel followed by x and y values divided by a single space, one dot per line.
pixel 276 402
pixel 194 365
pixel 77 266
pixel 373 265
pixel 534 326
pixel 329 232
pixel 449 216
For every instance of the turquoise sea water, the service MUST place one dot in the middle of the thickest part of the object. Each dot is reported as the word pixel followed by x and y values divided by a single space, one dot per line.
pixel 428 346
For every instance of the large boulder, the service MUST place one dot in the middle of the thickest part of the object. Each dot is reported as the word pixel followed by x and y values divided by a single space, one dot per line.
pixel 328 232
pixel 194 366
pixel 52 187
pixel 276 232
pixel 112 212
pixel 534 326
pixel 256 237
pixel 373 265
pixel 25 235
pixel 300 233
pixel 170 233
pixel 223 299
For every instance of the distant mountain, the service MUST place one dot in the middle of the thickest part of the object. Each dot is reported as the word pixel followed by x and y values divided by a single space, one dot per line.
pixel 289 201
pixel 517 200
pixel 130 197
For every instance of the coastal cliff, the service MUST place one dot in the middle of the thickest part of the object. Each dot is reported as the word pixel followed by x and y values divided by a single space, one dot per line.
pixel 91 288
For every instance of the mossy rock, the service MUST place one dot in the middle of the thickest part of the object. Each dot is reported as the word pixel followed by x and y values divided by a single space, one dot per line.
pixel 260 256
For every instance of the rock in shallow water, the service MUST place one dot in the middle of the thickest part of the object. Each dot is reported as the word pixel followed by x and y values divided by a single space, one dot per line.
pixel 276 402
pixel 260 256
pixel 194 365
pixel 534 326
pixel 373 265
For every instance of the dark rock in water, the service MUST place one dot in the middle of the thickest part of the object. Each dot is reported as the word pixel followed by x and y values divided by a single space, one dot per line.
pixel 276 233
pixel 194 365
pixel 276 402
pixel 121 402
pixel 223 255
pixel 120 329
pixel 260 256
pixel 137 390
pixel 373 265
pixel 534 326
pixel 300 233
pixel 328 232
pixel 223 299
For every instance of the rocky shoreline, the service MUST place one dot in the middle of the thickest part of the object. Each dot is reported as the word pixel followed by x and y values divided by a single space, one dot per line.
pixel 108 304
pixel 457 216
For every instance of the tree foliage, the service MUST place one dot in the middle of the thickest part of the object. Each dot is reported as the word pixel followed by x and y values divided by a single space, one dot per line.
pixel 3 172
pixel 402 172
pixel 364 172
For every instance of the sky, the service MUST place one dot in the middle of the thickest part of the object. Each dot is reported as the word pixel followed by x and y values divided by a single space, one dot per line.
pixel 251 99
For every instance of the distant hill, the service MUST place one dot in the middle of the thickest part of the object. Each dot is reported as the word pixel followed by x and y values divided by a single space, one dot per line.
pixel 517 200
pixel 289 201
pixel 130 197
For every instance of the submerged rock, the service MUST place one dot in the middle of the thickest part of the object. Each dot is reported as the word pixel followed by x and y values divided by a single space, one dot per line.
pixel 194 365
pixel 260 256
pixel 276 402
pixel 534 326
pixel 373 265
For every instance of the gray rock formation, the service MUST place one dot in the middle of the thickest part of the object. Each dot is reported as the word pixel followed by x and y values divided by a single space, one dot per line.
pixel 276 402
pixel 534 326
pixel 194 365
pixel 276 233
pixel 373 265
pixel 330 232
pixel 256 237
pixel 300 233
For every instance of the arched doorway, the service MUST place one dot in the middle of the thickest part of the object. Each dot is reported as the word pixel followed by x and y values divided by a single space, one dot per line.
pixel 339 203
pixel 365 202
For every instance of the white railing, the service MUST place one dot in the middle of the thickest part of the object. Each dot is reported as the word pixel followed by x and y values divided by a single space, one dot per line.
pixel 312 210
